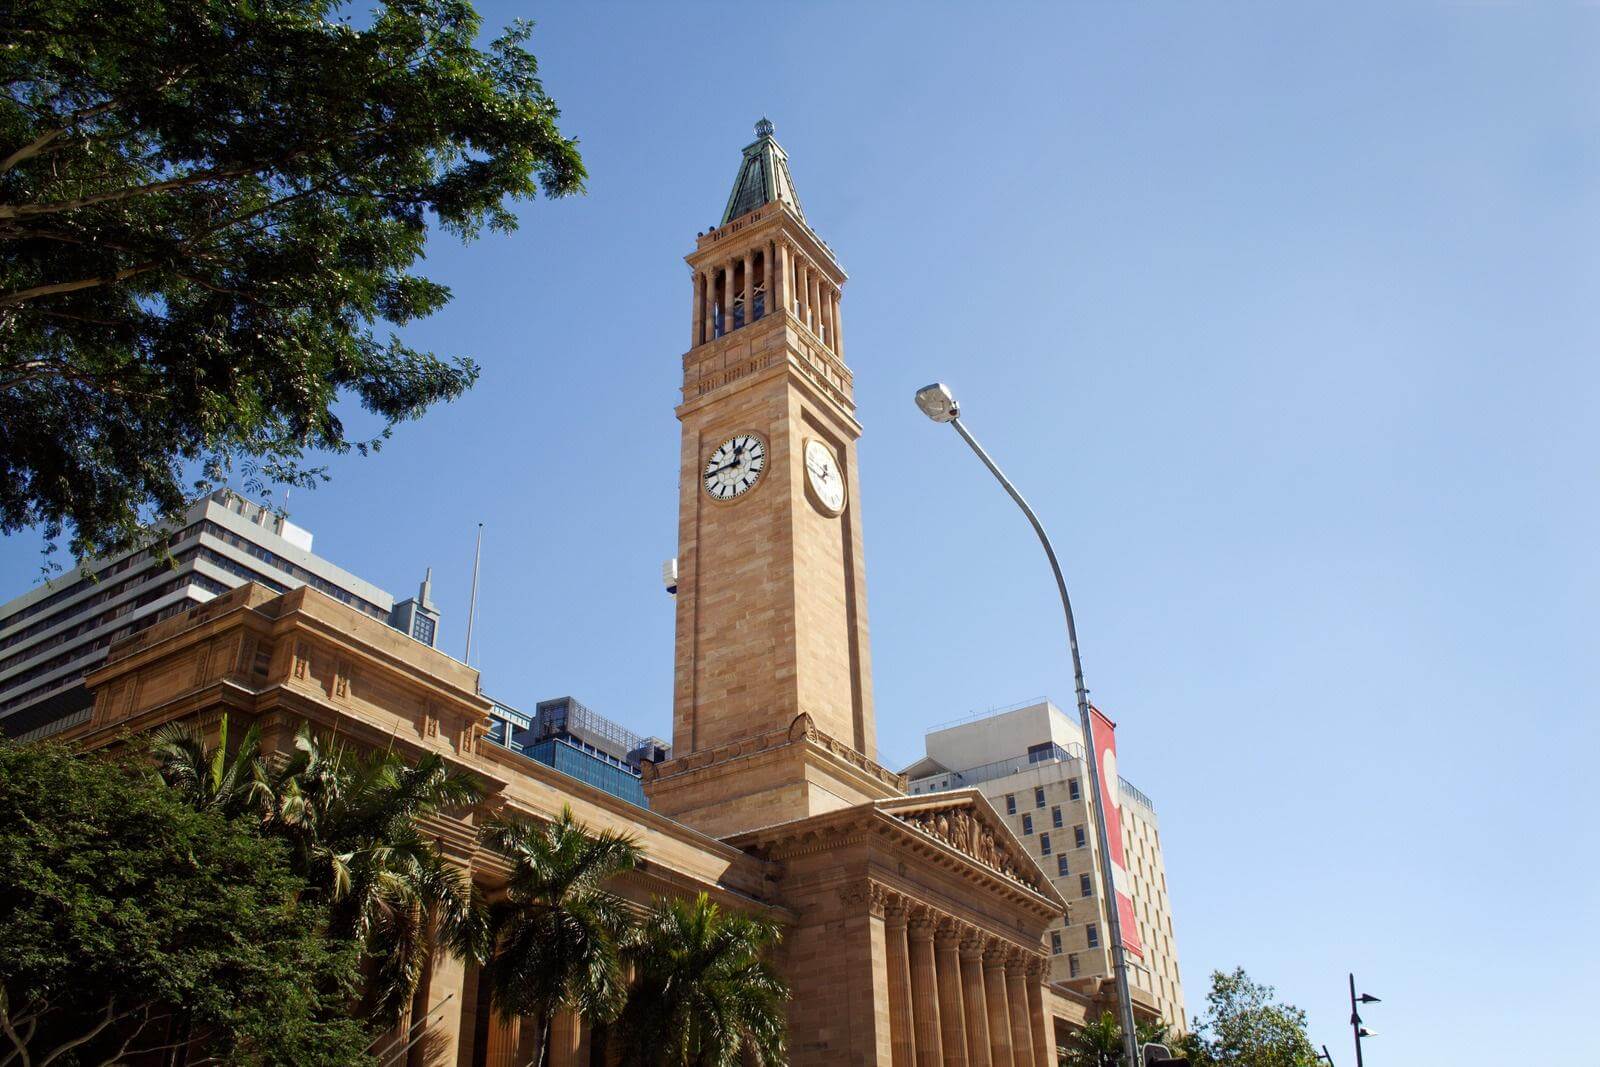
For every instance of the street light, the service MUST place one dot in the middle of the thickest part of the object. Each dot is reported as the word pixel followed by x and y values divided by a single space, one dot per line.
pixel 1355 1017
pixel 939 404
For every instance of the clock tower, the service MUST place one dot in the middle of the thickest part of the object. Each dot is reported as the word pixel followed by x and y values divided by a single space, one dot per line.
pixel 772 707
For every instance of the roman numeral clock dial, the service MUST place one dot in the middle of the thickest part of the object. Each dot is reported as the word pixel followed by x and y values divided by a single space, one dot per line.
pixel 735 467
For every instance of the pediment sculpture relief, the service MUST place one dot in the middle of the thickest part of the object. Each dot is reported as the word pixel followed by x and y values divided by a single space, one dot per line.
pixel 965 832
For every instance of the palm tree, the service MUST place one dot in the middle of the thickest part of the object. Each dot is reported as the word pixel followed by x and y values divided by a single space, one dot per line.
pixel 558 935
pixel 210 778
pixel 352 824
pixel 706 993
pixel 1099 1043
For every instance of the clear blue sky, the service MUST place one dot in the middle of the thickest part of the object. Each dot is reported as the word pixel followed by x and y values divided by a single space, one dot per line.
pixel 1285 318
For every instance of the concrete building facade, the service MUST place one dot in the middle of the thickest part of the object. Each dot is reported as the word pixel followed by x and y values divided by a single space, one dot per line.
pixel 54 634
pixel 1028 761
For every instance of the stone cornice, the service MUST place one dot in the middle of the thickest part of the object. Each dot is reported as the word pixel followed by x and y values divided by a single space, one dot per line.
pixel 801 734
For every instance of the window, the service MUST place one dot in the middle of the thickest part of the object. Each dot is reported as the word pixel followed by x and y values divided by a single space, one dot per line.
pixel 1027 824
pixel 1073 791
pixel 1040 753
pixel 1055 817
pixel 422 629
pixel 1085 886
pixel 1092 931
pixel 1055 942
pixel 1061 866
pixel 1011 804
pixel 1072 965
pixel 1079 839
pixel 1038 796
pixel 1044 844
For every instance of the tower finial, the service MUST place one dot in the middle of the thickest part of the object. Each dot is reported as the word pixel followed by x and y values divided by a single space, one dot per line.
pixel 764 127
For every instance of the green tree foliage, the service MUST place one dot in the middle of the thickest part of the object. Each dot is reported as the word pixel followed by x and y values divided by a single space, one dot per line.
pixel 558 936
pixel 705 992
pixel 351 822
pixel 133 922
pixel 206 210
pixel 1099 1043
pixel 1244 1026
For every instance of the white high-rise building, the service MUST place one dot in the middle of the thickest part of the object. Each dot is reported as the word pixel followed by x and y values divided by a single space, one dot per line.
pixel 54 634
pixel 1028 761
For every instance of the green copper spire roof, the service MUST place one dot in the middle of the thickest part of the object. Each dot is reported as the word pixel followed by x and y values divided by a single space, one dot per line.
pixel 763 177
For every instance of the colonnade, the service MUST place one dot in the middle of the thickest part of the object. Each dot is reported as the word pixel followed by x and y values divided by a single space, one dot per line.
pixel 958 996
pixel 781 275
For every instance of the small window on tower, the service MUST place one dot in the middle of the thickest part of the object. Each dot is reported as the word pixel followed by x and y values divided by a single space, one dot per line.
pixel 1027 824
pixel 1055 942
pixel 1092 932
pixel 1011 804
pixel 1073 790
pixel 1038 797
pixel 1061 866
pixel 1055 817
pixel 1072 965
pixel 1079 839
pixel 1085 886
pixel 1044 844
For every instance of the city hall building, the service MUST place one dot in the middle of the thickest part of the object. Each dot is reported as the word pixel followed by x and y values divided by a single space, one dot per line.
pixel 914 925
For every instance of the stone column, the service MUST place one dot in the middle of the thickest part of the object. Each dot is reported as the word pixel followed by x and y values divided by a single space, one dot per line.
pixel 999 1013
pixel 900 1031
pixel 838 330
pixel 567 1044
pixel 1044 1030
pixel 974 1009
pixel 778 276
pixel 825 311
pixel 1017 1000
pixel 731 295
pixel 813 299
pixel 503 1034
pixel 925 994
pixel 952 1020
pixel 749 286
pixel 697 313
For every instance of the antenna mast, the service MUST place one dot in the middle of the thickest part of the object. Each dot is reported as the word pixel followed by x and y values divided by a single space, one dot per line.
pixel 472 609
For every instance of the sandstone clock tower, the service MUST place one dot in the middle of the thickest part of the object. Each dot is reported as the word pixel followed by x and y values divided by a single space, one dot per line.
pixel 772 709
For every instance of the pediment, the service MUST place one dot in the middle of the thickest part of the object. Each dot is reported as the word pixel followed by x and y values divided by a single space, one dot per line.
pixel 963 820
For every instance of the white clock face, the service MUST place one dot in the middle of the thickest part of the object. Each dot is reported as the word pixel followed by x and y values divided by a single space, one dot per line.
pixel 736 466
pixel 827 481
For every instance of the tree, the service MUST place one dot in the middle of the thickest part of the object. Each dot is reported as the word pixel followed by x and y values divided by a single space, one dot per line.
pixel 705 992
pixel 1243 1026
pixel 218 779
pixel 352 824
pixel 558 935
pixel 205 211
pixel 1099 1042
pixel 135 924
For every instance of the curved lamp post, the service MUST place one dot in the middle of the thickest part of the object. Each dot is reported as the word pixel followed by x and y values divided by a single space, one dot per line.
pixel 937 402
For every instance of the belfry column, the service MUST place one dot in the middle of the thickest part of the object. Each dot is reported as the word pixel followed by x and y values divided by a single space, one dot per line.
pixel 900 1031
pixel 952 1022
pixel 813 299
pixel 708 300
pixel 925 995
pixel 994 993
pixel 777 284
pixel 974 1009
pixel 749 286
pixel 838 330
pixel 731 296
pixel 1017 1000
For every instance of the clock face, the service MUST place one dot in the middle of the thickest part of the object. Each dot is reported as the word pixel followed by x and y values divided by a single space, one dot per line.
pixel 824 477
pixel 736 466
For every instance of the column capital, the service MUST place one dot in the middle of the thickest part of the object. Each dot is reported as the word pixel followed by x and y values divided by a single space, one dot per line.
pixel 995 954
pixel 874 895
pixel 949 932
pixel 973 945
pixel 924 924
pixel 1038 966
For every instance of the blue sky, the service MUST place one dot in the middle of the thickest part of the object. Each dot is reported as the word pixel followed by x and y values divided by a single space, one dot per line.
pixel 1284 318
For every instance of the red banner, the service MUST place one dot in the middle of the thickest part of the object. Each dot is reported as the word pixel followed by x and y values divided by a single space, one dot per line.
pixel 1105 755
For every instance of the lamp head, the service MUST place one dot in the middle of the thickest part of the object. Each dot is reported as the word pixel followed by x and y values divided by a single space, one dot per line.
pixel 1368 998
pixel 1364 1032
pixel 937 402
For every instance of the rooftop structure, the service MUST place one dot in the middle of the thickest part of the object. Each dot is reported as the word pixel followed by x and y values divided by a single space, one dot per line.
pixel 566 735
pixel 54 634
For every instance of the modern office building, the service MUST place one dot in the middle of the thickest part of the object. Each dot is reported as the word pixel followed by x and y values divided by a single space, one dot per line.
pixel 563 734
pixel 1028 761
pixel 51 636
